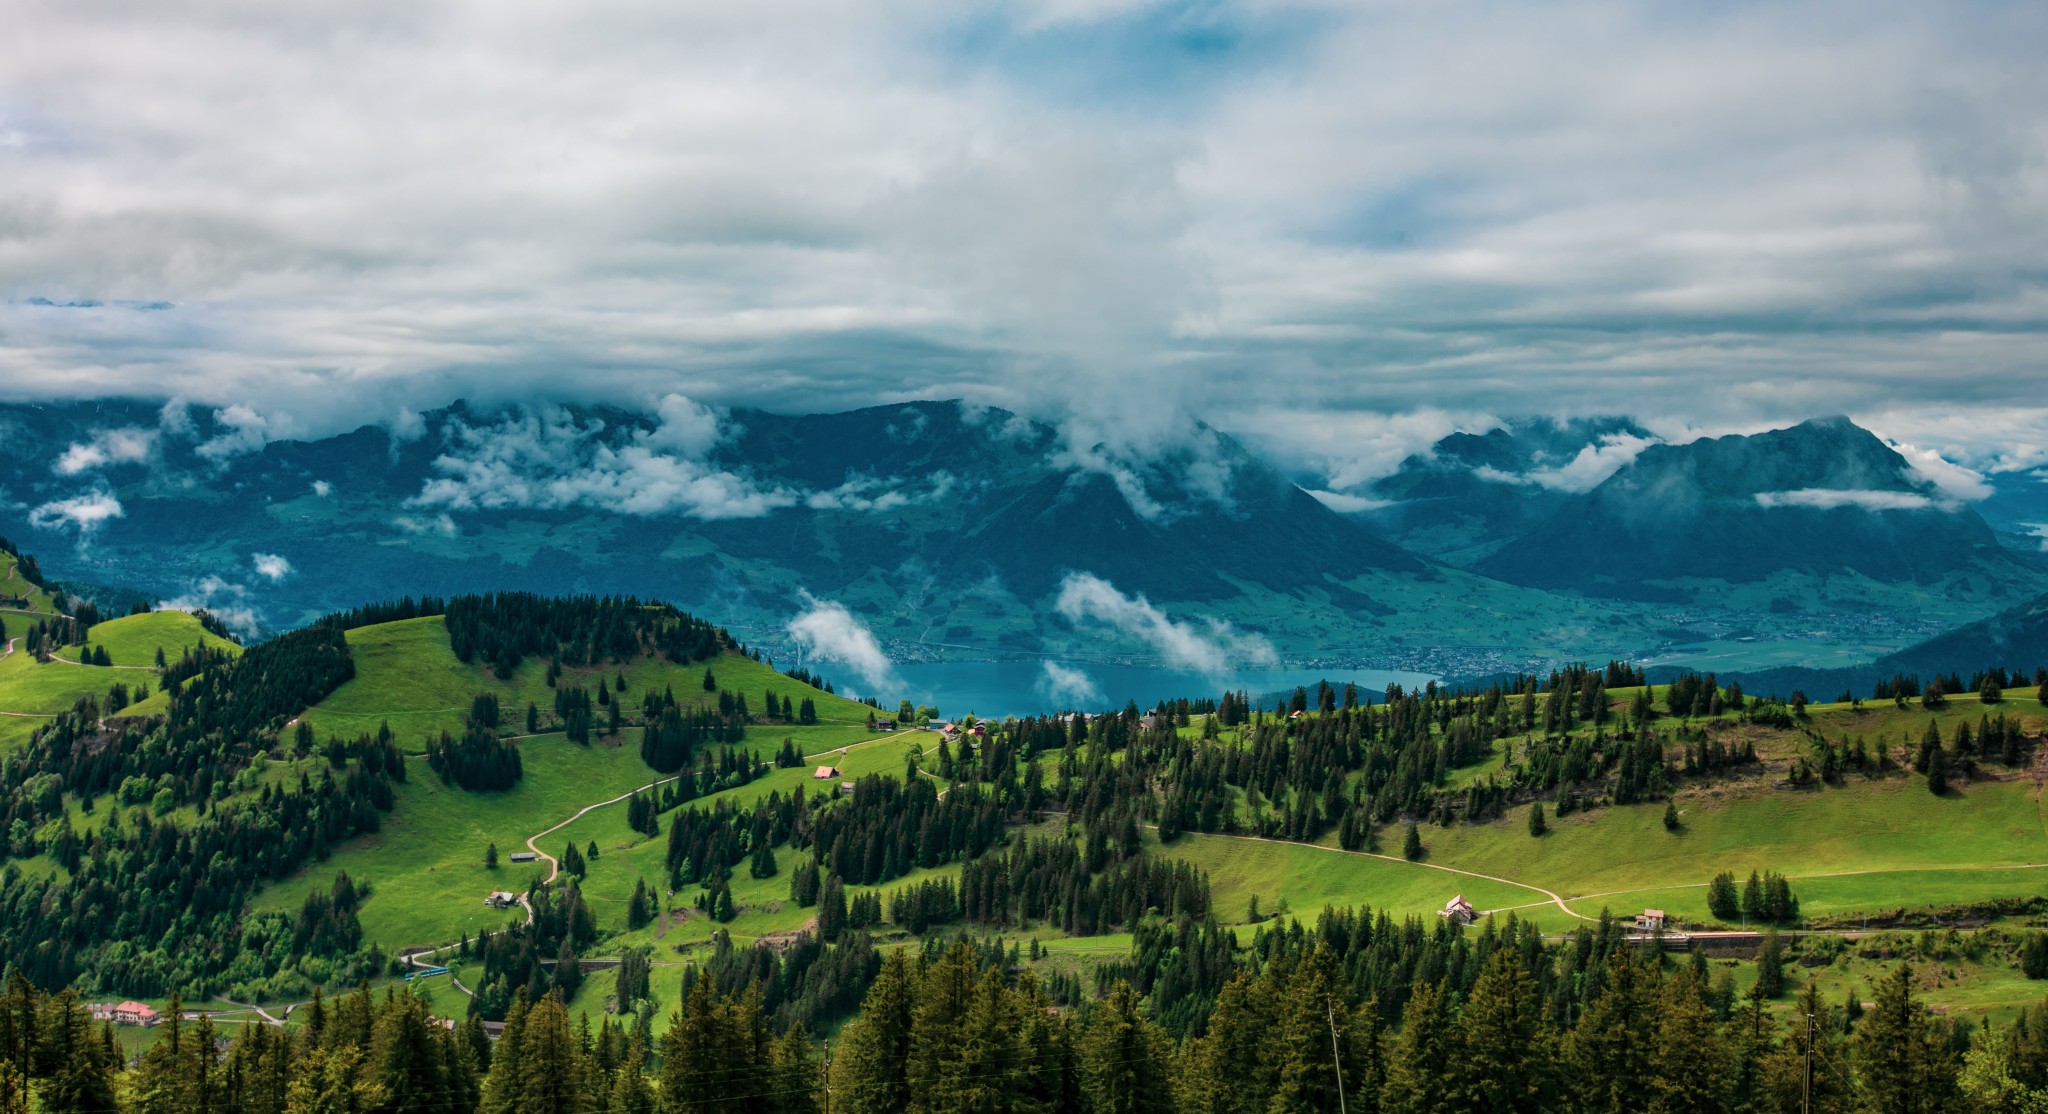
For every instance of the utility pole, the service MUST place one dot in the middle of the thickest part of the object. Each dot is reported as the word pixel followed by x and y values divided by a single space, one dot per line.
pixel 1806 1084
pixel 1336 1057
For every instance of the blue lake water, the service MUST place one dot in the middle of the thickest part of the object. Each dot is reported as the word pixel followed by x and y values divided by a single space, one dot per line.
pixel 1021 688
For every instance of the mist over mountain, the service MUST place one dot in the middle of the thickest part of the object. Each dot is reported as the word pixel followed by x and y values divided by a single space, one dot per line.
pixel 951 529
pixel 1821 498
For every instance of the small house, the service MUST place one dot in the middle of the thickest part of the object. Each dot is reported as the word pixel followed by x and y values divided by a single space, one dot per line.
pixel 1458 911
pixel 885 725
pixel 135 1013
pixel 524 857
pixel 825 773
pixel 1650 920
pixel 499 899
pixel 846 786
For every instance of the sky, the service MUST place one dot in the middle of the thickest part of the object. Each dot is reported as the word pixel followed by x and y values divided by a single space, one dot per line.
pixel 1338 230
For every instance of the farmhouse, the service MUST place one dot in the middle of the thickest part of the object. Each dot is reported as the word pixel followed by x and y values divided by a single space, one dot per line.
pixel 499 899
pixel 1458 911
pixel 1650 920
pixel 524 856
pixel 825 773
pixel 127 1013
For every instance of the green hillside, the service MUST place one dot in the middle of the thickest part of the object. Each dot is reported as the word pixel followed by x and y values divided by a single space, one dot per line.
pixel 33 692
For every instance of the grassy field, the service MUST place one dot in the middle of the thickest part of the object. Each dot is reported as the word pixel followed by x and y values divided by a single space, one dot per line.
pixel 32 691
pixel 407 675
pixel 133 641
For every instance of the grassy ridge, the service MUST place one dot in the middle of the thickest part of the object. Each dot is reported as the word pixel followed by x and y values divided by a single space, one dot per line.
pixel 33 691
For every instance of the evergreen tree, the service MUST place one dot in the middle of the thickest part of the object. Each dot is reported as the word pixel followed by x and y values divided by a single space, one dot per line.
pixel 1507 1044
pixel 1536 825
pixel 1770 966
pixel 1671 821
pixel 1411 844
pixel 1124 1059
pixel 1904 1065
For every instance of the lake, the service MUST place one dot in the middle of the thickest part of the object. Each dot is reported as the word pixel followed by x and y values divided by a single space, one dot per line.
pixel 1022 688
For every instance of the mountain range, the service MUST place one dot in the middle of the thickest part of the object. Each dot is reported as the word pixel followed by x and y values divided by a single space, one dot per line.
pixel 957 531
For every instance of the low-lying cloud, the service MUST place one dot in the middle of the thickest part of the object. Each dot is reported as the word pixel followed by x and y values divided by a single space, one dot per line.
pixel 224 600
pixel 545 458
pixel 1212 648
pixel 271 566
pixel 85 513
pixel 1069 687
pixel 1827 498
pixel 828 632
pixel 130 445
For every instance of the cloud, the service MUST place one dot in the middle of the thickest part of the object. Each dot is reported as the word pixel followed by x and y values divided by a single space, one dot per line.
pixel 271 566
pixel 828 632
pixel 1213 649
pixel 544 457
pixel 86 513
pixel 228 602
pixel 247 430
pixel 2038 530
pixel 1069 687
pixel 1281 215
pixel 108 446
pixel 1965 485
pixel 322 488
pixel 441 524
pixel 1347 504
pixel 1830 498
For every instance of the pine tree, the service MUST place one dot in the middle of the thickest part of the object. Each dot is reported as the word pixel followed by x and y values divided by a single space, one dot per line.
pixel 1689 1062
pixel 1424 1072
pixel 1904 1066
pixel 871 1069
pixel 1671 821
pixel 1770 965
pixel 1506 1059
pixel 1124 1058
pixel 1536 825
pixel 1608 1060
pixel 491 857
pixel 1411 844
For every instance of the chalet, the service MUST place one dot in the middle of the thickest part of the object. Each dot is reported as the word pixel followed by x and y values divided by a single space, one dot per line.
pixel 1650 920
pixel 825 773
pixel 885 725
pixel 524 857
pixel 1458 911
pixel 499 899
pixel 128 1013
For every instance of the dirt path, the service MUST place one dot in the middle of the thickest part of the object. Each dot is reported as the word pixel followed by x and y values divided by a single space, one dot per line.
pixel 862 743
pixel 10 648
pixel 1554 899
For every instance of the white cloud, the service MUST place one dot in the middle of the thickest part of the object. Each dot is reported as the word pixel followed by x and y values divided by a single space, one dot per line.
pixel 1213 649
pixel 1829 498
pixel 322 488
pixel 1966 485
pixel 86 513
pixel 2039 530
pixel 271 566
pixel 225 601
pixel 107 446
pixel 828 632
pixel 1068 686
pixel 1347 504
pixel 1576 207
pixel 543 457
pixel 247 431
pixel 440 524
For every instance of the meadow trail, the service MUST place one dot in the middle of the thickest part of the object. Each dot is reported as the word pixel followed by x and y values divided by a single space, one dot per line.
pixel 1553 898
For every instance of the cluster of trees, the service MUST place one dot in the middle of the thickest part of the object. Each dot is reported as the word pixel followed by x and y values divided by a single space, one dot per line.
pixel 534 958
pixel 503 628
pixel 673 734
pixel 1764 899
pixel 477 760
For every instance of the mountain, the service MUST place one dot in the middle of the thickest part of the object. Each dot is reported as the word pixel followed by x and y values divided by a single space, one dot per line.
pixel 1473 492
pixel 924 515
pixel 1821 498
